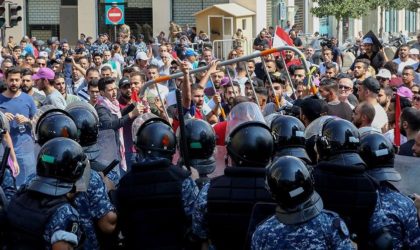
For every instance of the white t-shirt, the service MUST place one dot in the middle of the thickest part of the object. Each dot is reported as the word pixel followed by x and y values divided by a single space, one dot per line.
pixel 380 119
pixel 401 65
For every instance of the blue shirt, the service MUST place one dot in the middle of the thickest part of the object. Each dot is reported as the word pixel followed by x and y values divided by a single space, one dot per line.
pixel 325 231
pixel 23 105
pixel 398 214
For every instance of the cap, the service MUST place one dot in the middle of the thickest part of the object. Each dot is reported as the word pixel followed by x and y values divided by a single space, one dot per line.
pixel 414 51
pixel 384 73
pixel 142 56
pixel 44 73
pixel 141 36
pixel 372 84
pixel 124 81
pixel 405 92
pixel 190 52
pixel 395 82
pixel 81 41
pixel 132 37
pixel 202 63
pixel 367 40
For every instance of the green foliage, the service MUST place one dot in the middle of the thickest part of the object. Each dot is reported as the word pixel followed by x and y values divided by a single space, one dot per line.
pixel 390 4
pixel 342 8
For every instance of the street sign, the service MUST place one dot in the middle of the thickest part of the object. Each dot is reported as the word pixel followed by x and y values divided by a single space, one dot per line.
pixel 114 14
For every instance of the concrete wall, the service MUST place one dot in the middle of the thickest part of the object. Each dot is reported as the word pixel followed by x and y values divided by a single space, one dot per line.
pixel 260 9
pixel 248 32
pixel 87 18
pixel 161 16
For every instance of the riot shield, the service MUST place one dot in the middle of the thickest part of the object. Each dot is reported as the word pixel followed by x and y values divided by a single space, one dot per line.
pixel 409 169
pixel 107 142
pixel 242 113
pixel 315 127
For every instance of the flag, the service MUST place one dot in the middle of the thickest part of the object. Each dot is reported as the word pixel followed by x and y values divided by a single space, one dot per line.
pixel 281 38
pixel 397 135
pixel 134 96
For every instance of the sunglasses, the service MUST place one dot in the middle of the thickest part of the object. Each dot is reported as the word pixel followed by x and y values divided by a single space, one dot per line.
pixel 415 92
pixel 416 98
pixel 344 87
pixel 381 79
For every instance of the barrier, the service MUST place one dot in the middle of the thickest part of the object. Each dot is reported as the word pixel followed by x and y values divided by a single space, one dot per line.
pixel 245 58
pixel 221 48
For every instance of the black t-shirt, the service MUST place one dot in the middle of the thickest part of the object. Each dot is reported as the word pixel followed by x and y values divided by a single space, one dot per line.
pixel 297 42
pixel 342 110
pixel 406 148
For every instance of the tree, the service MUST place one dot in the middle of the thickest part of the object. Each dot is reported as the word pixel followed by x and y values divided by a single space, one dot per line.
pixel 390 4
pixel 341 9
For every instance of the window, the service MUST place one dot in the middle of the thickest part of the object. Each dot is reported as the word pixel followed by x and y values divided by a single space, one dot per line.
pixel 410 21
pixel 244 24
pixel 391 21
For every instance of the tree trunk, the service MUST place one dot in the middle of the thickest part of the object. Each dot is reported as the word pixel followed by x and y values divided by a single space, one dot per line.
pixel 338 29
pixel 381 18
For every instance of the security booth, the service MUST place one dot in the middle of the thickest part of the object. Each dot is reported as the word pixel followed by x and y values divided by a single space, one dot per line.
pixel 221 21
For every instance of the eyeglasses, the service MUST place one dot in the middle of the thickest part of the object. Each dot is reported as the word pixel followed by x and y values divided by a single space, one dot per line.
pixel 381 79
pixel 344 87
pixel 415 92
pixel 416 98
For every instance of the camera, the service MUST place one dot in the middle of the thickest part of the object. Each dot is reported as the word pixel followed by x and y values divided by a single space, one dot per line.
pixel 326 42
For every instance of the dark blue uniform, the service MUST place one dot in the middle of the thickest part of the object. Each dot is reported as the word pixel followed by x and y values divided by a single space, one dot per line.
pixel 325 231
pixel 398 214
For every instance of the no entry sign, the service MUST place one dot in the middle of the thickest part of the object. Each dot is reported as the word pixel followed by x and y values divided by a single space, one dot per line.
pixel 114 14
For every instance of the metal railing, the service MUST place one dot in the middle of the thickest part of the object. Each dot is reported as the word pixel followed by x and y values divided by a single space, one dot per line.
pixel 245 58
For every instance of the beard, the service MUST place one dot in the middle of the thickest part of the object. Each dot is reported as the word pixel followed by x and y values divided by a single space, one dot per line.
pixel 126 95
pixel 13 89
pixel 25 88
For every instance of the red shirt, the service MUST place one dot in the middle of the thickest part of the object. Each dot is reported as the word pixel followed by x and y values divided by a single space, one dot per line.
pixel 220 131
pixel 197 115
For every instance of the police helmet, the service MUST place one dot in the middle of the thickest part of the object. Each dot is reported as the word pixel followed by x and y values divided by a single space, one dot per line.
pixel 201 139
pixel 55 123
pixel 292 187
pixel 155 137
pixel 250 144
pixel 337 136
pixel 87 122
pixel 378 153
pixel 60 163
pixel 288 131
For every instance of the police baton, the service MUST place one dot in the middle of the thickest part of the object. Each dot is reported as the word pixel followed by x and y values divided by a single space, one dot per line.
pixel 4 163
pixel 183 141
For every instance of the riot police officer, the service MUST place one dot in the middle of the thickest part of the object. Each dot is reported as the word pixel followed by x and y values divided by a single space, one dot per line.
pixel 87 122
pixel 55 123
pixel 40 215
pixel 341 178
pixel 401 221
pixel 94 205
pixel 300 221
pixel 201 142
pixel 289 138
pixel 155 199
pixel 224 206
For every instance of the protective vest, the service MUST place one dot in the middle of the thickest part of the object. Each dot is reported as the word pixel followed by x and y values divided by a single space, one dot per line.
pixel 230 201
pixel 349 191
pixel 28 214
pixel 150 206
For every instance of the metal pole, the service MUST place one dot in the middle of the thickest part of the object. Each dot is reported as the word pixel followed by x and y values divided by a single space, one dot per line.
pixel 231 81
pixel 288 75
pixel 252 84
pixel 276 99
pixel 222 111
pixel 223 63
